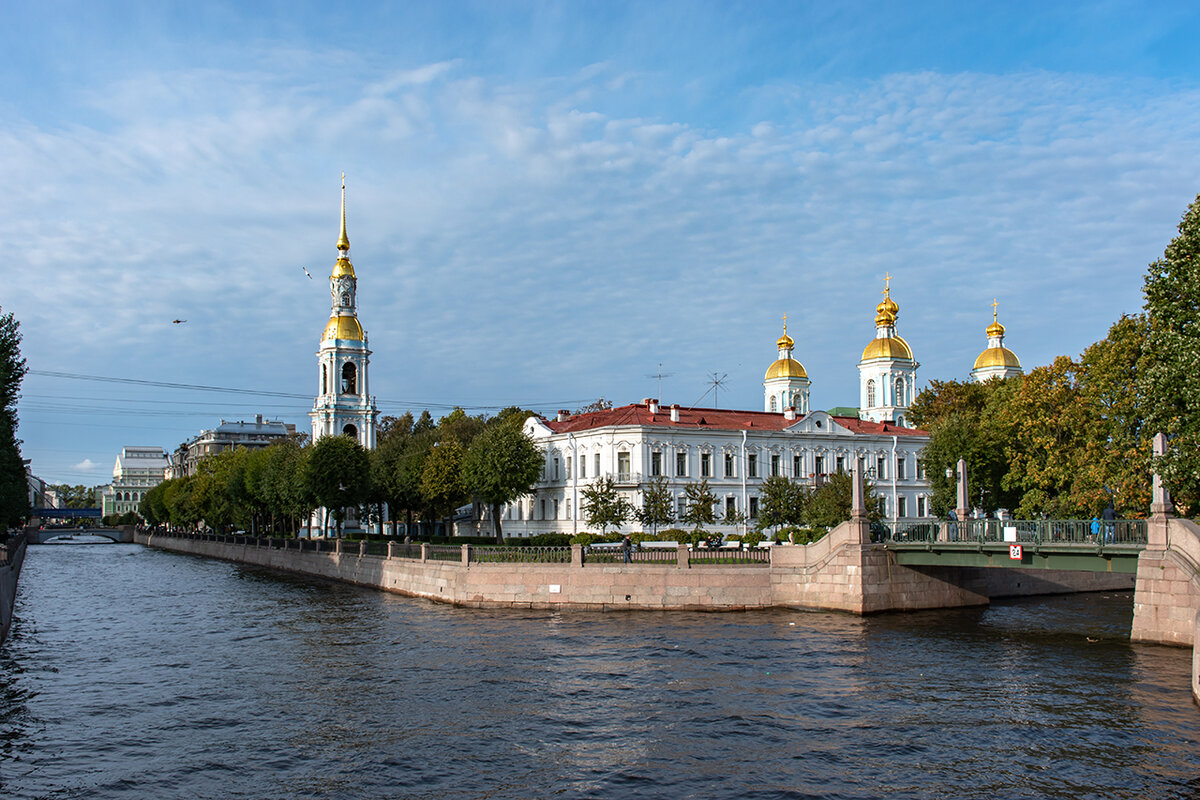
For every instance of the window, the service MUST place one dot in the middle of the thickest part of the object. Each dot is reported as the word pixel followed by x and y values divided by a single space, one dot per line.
pixel 797 466
pixel 556 509
pixel 753 508
pixel 920 505
pixel 349 378
pixel 920 470
pixel 681 464
pixel 556 469
pixel 900 468
pixel 880 468
pixel 324 379
pixel 730 506
pixel 901 506
pixel 681 505
pixel 543 509
pixel 870 394
pixel 583 467
pixel 350 431
pixel 596 471
pixel 774 466
pixel 623 466
pixel 655 464
pixel 772 404
pixel 841 464
pixel 568 508
pixel 900 393
pixel 752 465
pixel 706 465
pixel 819 465
pixel 729 465
pixel 568 470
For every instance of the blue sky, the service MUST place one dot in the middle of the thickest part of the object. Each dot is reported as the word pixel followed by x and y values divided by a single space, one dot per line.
pixel 547 200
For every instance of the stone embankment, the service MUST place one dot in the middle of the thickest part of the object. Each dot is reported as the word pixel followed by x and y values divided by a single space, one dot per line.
pixel 842 571
pixel 12 556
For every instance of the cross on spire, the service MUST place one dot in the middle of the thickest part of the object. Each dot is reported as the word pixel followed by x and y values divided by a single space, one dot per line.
pixel 995 303
pixel 785 323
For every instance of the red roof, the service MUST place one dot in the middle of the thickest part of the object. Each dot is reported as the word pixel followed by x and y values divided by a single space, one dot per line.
pixel 711 419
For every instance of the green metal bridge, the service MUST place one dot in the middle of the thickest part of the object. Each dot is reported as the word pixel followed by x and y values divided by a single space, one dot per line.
pixel 1080 545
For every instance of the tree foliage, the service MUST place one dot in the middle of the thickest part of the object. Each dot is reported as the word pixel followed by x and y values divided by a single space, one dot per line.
pixel 502 464
pixel 781 502
pixel 701 504
pixel 658 505
pixel 603 505
pixel 14 497
pixel 338 475
pixel 830 503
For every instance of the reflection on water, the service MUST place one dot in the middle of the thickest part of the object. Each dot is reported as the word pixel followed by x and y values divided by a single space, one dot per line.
pixel 133 673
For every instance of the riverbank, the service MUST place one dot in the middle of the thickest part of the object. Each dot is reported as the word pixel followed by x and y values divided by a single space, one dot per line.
pixel 826 575
pixel 12 556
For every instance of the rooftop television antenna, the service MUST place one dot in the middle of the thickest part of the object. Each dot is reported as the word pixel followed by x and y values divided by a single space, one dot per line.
pixel 717 382
pixel 660 375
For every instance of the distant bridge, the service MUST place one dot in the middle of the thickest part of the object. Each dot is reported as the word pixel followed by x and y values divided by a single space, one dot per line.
pixel 1079 545
pixel 43 535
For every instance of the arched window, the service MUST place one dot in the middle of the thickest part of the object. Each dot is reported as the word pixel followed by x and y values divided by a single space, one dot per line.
pixel 324 379
pixel 350 431
pixel 900 392
pixel 345 298
pixel 772 403
pixel 871 394
pixel 349 378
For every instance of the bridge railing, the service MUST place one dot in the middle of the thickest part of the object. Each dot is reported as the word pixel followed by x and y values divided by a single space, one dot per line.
pixel 1130 532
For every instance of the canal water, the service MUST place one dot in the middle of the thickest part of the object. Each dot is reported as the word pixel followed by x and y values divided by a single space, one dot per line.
pixel 133 673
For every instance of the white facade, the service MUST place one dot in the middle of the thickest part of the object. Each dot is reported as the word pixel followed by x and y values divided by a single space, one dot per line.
pixel 136 471
pixel 887 372
pixel 736 451
pixel 344 405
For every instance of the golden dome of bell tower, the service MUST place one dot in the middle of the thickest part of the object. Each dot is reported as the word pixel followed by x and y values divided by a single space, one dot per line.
pixel 887 371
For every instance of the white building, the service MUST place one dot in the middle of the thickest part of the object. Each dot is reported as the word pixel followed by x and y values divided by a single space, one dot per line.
pixel 344 405
pixel 997 361
pixel 136 471
pixel 736 451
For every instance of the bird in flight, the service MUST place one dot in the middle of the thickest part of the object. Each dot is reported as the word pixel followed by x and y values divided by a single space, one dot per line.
pixel 307 273
pixel 178 321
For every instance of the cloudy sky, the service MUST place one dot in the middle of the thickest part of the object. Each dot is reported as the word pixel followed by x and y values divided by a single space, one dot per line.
pixel 549 200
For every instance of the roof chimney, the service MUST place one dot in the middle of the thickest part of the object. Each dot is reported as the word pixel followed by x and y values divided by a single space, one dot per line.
pixel 789 412
pixel 563 414
pixel 653 403
pixel 674 412
pixel 258 419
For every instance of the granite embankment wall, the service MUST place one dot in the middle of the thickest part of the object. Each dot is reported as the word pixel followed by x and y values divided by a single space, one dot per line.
pixel 839 572
pixel 12 556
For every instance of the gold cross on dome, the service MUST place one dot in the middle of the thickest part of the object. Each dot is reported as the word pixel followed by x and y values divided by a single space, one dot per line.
pixel 785 323
pixel 995 303
pixel 887 283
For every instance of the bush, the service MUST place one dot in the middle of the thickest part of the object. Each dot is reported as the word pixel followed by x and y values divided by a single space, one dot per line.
pixel 752 539
pixel 583 538
pixel 674 535
pixel 548 540
pixel 804 535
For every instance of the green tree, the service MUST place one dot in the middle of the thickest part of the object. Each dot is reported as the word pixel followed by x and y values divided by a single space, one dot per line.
pixel 502 464
pixel 442 480
pixel 338 475
pixel 829 504
pixel 658 505
pixel 781 502
pixel 700 505
pixel 603 505
pixel 14 497
pixel 1170 376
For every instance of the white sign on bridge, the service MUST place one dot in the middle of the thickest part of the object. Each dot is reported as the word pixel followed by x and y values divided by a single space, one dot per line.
pixel 1014 552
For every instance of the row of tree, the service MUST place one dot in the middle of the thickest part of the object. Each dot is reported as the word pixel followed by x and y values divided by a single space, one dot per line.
pixel 1068 439
pixel 14 491
pixel 782 503
pixel 421 470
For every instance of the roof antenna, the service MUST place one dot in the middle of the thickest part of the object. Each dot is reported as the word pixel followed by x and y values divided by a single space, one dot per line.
pixel 717 382
pixel 660 375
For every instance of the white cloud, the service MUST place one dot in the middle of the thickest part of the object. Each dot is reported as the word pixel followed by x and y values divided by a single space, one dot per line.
pixel 87 465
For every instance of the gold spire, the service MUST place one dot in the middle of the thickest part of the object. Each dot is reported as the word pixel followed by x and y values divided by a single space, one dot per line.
pixel 885 312
pixel 995 329
pixel 785 341
pixel 343 239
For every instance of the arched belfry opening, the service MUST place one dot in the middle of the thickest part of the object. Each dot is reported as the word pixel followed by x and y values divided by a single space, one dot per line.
pixel 351 431
pixel 349 378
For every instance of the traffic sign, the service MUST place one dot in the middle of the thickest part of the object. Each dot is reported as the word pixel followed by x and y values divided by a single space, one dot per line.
pixel 1014 552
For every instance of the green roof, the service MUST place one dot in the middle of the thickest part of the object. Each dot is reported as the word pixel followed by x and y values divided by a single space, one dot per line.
pixel 842 411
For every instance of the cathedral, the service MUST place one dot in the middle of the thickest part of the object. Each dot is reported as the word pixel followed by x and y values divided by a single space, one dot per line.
pixel 344 405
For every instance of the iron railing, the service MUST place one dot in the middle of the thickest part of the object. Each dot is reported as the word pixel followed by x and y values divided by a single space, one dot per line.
pixel 443 552
pixel 729 555
pixel 521 555
pixel 1128 532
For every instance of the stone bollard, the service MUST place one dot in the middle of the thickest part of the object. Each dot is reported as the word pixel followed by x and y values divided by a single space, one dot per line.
pixel 682 556
pixel 362 548
pixel 466 554
pixel 424 551
pixel 337 547
pixel 576 555
pixel 391 550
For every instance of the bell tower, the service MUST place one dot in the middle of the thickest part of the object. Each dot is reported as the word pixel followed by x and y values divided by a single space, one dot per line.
pixel 344 405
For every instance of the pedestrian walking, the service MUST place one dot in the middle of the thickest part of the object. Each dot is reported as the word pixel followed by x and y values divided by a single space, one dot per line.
pixel 627 548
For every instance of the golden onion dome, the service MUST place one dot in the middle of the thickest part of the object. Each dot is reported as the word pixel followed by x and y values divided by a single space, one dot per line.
pixel 343 328
pixel 343 269
pixel 997 357
pixel 890 347
pixel 995 329
pixel 785 342
pixel 786 368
